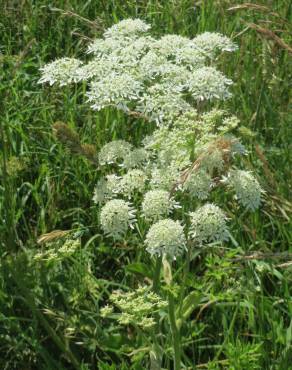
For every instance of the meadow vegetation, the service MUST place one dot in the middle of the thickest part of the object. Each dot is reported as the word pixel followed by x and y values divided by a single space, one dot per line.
pixel 86 280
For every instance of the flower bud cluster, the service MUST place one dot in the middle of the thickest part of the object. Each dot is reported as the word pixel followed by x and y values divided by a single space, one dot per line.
pixel 58 251
pixel 137 307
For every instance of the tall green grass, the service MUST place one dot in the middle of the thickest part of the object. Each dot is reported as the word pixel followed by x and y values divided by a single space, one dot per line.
pixel 49 314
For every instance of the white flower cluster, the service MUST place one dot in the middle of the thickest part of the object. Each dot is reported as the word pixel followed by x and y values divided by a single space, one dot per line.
pixel 159 104
pixel 164 177
pixel 163 81
pixel 104 47
pixel 166 237
pixel 181 50
pixel 113 151
pixel 62 71
pixel 114 90
pixel 130 69
pixel 135 158
pixel 157 204
pixel 116 217
pixel 208 224
pixel 107 188
pixel 169 44
pixel 127 28
pixel 247 188
pixel 95 68
pixel 207 84
pixel 133 182
pixel 198 184
pixel 211 43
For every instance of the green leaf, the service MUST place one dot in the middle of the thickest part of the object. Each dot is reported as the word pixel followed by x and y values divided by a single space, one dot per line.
pixel 190 302
pixel 140 269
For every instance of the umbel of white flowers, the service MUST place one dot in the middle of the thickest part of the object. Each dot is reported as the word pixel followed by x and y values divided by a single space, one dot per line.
pixel 188 157
pixel 131 69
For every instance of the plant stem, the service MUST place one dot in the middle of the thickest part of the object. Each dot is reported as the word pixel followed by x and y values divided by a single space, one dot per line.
pixel 156 277
pixel 175 333
pixel 186 271
pixel 155 287
pixel 8 203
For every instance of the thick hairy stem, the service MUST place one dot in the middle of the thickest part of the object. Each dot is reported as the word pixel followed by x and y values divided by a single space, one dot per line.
pixel 175 333
pixel 186 271
pixel 155 287
pixel 156 277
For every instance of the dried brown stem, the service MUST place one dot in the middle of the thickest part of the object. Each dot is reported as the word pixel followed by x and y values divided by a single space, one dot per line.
pixel 68 137
pixel 69 13
pixel 270 35
pixel 262 256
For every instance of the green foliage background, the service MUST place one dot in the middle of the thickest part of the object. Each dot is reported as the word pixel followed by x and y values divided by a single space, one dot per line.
pixel 49 316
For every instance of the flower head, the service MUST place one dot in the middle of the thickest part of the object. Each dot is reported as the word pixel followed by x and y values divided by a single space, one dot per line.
pixel 135 158
pixel 164 177
pixel 113 151
pixel 133 181
pixel 207 83
pixel 137 307
pixel 106 311
pixel 209 43
pixel 208 224
pixel 198 184
pixel 247 188
pixel 160 104
pixel 62 71
pixel 166 237
pixel 116 217
pixel 127 28
pixel 157 204
pixel 115 89
pixel 107 188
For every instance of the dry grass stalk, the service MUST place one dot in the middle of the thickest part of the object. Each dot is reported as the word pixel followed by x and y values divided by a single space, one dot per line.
pixel 262 256
pixel 52 236
pixel 92 24
pixel 267 171
pixel 258 8
pixel 68 137
pixel 222 144
pixel 270 35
